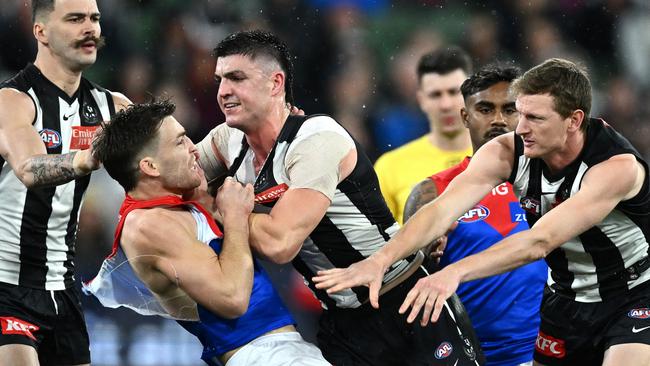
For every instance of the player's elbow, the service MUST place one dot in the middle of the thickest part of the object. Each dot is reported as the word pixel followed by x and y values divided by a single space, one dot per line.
pixel 542 244
pixel 282 251
pixel 236 307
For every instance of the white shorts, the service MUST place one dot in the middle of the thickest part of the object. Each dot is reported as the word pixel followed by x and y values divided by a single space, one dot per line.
pixel 279 349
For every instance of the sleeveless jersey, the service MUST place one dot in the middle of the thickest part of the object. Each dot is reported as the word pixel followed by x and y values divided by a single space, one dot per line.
pixel 38 226
pixel 117 285
pixel 355 225
pixel 504 309
pixel 609 258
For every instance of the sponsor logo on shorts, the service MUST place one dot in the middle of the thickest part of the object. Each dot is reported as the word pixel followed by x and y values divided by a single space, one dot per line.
pixel 11 325
pixel 478 213
pixel 271 194
pixel 640 313
pixel 550 346
pixel 51 138
pixel 444 350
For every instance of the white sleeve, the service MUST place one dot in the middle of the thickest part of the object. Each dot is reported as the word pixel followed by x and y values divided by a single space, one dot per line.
pixel 314 161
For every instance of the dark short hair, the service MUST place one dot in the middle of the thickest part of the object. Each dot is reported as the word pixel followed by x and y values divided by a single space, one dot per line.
pixel 443 61
pixel 257 43
pixel 487 76
pixel 129 132
pixel 567 82
pixel 41 7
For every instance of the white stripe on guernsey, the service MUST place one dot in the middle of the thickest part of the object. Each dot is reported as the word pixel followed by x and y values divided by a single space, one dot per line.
pixel 102 103
pixel 318 124
pixel 62 203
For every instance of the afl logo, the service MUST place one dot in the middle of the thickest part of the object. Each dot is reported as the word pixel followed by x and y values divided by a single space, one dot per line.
pixel 478 213
pixel 51 138
pixel 444 350
pixel 641 313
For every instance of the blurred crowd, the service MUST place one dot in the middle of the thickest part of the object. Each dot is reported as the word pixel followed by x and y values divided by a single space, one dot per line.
pixel 354 60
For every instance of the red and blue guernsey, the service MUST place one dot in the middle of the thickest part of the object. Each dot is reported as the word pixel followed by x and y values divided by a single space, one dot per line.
pixel 504 309
pixel 117 285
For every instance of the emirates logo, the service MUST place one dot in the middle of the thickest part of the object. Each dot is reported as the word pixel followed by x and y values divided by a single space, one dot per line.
pixel 271 194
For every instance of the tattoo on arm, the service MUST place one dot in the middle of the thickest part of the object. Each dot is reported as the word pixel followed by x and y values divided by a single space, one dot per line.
pixel 423 193
pixel 51 170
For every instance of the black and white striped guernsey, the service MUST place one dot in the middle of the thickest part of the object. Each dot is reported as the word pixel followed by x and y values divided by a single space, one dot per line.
pixel 355 225
pixel 38 226
pixel 601 263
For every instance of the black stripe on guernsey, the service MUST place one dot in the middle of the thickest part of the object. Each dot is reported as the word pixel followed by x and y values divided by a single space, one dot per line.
pixel 563 279
pixel 330 241
pixel 80 187
pixel 607 260
pixel 303 269
pixel 37 211
pixel 111 105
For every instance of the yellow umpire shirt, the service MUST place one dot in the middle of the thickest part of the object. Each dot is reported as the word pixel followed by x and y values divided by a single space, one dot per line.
pixel 401 169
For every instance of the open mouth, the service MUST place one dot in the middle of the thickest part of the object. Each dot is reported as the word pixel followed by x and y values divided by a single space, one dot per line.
pixel 230 106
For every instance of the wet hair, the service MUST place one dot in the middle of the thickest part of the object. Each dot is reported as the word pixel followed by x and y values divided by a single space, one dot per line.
pixel 258 43
pixel 130 132
pixel 487 76
pixel 40 7
pixel 567 82
pixel 443 61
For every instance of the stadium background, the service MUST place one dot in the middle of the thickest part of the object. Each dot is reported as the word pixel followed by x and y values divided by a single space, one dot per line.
pixel 354 60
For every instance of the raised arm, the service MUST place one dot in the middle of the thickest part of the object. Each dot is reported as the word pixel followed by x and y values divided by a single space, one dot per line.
pixel 315 167
pixel 490 166
pixel 603 187
pixel 171 255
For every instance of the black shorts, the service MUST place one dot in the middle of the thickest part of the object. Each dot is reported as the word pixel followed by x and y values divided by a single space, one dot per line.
pixel 575 333
pixel 382 337
pixel 56 330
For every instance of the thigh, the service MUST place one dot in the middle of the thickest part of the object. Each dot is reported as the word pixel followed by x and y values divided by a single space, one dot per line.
pixel 18 355
pixel 627 354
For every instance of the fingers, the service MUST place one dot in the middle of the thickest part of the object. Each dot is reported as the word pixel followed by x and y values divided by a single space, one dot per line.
pixel 374 293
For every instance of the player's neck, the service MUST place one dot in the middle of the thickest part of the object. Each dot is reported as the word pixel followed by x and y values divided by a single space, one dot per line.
pixel 262 139
pixel 150 190
pixel 65 79
pixel 451 142
pixel 561 158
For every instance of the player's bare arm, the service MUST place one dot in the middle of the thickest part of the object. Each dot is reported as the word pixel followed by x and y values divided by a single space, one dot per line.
pixel 423 193
pixel 278 235
pixel 490 166
pixel 166 241
pixel 603 187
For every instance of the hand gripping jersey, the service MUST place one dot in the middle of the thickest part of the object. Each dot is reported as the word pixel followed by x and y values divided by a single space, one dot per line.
pixel 38 226
pixel 116 285
pixel 504 309
pixel 609 258
pixel 356 224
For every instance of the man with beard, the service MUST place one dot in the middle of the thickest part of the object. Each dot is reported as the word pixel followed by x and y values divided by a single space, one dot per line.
pixel 48 115
pixel 504 309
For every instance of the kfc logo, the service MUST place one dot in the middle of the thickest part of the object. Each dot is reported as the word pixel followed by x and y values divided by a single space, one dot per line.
pixel 549 346
pixel 11 325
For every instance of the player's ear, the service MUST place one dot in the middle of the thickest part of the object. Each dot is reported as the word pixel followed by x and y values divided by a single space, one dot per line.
pixel 576 119
pixel 149 167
